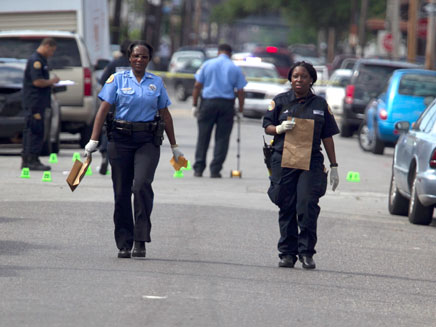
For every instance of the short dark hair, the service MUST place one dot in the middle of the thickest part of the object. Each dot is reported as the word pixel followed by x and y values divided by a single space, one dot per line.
pixel 124 46
pixel 225 48
pixel 309 67
pixel 137 43
pixel 48 41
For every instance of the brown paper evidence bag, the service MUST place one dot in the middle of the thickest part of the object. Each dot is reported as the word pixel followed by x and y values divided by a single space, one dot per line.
pixel 297 148
pixel 77 172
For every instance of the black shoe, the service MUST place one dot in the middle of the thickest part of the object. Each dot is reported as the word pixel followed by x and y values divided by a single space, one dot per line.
pixel 138 250
pixel 308 262
pixel 287 261
pixel 198 174
pixel 124 253
pixel 104 164
pixel 215 175
pixel 33 163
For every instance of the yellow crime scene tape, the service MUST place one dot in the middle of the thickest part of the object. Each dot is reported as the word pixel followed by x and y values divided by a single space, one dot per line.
pixel 171 75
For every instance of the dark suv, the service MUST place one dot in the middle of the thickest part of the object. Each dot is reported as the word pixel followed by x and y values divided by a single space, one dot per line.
pixel 183 65
pixel 367 81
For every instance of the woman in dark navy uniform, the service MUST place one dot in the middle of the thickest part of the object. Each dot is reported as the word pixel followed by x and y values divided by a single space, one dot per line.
pixel 140 98
pixel 296 192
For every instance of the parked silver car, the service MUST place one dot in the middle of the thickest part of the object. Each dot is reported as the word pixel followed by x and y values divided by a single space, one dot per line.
pixel 413 182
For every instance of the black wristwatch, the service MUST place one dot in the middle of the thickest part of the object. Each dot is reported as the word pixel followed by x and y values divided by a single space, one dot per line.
pixel 333 165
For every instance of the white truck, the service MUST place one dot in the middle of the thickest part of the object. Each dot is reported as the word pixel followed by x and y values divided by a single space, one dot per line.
pixel 88 18
pixel 81 31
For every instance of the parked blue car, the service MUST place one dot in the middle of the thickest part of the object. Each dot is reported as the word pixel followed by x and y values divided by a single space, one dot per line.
pixel 413 182
pixel 406 95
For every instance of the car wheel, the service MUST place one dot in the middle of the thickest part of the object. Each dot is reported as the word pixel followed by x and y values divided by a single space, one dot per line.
pixel 379 146
pixel 181 92
pixel 365 139
pixel 398 204
pixel 418 214
pixel 85 135
pixel 346 130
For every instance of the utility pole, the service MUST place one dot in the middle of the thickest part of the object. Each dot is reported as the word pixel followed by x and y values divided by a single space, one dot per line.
pixel 411 30
pixel 431 36
pixel 362 26
pixel 116 23
pixel 197 21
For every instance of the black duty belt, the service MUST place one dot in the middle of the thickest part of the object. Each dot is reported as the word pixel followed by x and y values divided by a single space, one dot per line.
pixel 135 126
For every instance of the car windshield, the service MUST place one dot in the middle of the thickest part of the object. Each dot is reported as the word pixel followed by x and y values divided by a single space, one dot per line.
pixel 418 85
pixel 259 72
pixel 66 54
pixel 11 75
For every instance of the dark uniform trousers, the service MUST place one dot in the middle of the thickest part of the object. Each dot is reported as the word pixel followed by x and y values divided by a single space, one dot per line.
pixel 33 133
pixel 217 111
pixel 296 192
pixel 134 160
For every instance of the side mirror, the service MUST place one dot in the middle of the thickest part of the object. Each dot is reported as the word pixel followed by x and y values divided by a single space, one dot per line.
pixel 402 126
pixel 101 64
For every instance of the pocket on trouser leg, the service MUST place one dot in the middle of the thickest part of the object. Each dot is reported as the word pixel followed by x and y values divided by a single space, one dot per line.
pixel 323 185
pixel 37 126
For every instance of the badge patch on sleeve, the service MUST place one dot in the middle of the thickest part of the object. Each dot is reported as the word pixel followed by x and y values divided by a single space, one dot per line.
pixel 110 79
pixel 271 106
pixel 330 110
pixel 37 65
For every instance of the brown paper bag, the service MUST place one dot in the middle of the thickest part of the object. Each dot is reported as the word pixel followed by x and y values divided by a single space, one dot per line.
pixel 297 148
pixel 179 164
pixel 77 172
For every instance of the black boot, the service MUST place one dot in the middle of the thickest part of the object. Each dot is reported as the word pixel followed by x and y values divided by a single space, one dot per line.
pixel 24 161
pixel 35 164
pixel 138 250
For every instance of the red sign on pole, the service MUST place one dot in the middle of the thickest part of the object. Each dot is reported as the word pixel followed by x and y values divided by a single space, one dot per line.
pixel 388 42
pixel 422 28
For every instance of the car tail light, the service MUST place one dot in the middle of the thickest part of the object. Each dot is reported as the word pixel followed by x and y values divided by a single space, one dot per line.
pixel 433 159
pixel 87 82
pixel 271 49
pixel 383 114
pixel 349 94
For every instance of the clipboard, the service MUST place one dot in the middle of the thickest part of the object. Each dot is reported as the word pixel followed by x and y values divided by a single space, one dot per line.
pixel 77 172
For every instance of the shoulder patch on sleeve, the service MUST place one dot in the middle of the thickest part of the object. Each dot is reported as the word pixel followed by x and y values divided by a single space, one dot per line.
pixel 37 65
pixel 272 105
pixel 110 79
pixel 330 110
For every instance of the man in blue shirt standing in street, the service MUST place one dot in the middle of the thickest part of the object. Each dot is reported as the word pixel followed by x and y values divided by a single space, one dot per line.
pixel 217 80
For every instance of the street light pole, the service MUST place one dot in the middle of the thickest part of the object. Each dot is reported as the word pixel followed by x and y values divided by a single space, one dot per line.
pixel 395 28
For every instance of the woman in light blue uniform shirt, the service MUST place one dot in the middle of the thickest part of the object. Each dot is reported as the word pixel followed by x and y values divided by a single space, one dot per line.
pixel 140 99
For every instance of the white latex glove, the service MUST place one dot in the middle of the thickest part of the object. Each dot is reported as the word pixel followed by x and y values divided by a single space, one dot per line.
pixel 287 125
pixel 90 148
pixel 176 152
pixel 334 178
pixel 194 111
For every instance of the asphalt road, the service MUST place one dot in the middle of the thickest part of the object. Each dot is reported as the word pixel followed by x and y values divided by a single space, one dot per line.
pixel 213 258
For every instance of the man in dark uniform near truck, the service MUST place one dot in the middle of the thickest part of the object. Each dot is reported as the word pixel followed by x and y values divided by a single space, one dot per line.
pixel 36 98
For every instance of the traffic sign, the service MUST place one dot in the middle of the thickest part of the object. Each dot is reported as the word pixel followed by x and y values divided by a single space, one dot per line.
pixel 422 27
pixel 387 42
